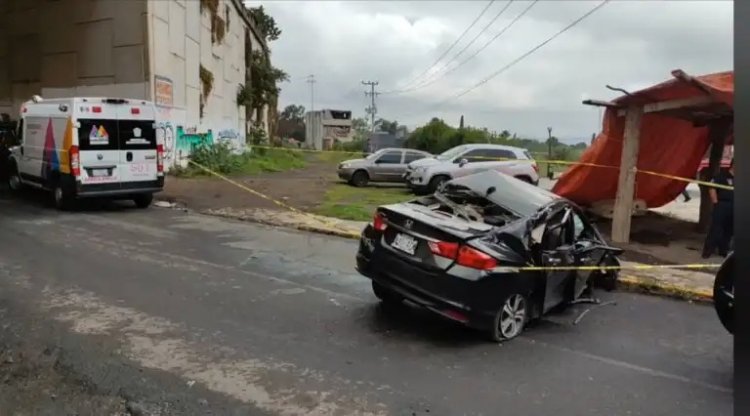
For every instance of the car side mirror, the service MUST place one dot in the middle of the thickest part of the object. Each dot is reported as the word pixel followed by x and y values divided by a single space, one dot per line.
pixel 462 162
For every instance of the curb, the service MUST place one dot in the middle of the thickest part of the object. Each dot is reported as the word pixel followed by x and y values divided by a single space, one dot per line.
pixel 301 227
pixel 628 283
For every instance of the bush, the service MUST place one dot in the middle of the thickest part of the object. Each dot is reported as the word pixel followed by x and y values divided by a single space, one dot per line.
pixel 218 157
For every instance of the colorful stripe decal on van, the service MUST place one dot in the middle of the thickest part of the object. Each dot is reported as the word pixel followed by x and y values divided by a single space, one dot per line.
pixel 67 144
pixel 50 161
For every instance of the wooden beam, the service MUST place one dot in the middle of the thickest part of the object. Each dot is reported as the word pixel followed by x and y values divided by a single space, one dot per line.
pixel 685 103
pixel 626 181
pixel 684 77
pixel 600 103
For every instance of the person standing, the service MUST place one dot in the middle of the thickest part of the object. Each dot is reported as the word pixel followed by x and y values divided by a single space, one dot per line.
pixel 722 220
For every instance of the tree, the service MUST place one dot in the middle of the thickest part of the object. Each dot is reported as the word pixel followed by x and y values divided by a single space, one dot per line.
pixel 265 23
pixel 293 113
pixel 387 126
pixel 264 80
pixel 360 124
pixel 292 123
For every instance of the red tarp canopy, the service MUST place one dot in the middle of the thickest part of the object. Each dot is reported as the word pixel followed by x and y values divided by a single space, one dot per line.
pixel 667 144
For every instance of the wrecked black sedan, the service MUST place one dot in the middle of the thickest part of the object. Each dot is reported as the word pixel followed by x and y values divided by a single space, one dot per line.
pixel 469 252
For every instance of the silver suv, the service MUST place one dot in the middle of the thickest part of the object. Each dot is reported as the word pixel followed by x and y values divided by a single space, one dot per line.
pixel 426 175
pixel 385 165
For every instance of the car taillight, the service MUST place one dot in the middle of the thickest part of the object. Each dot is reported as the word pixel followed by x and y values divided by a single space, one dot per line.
pixel 536 168
pixel 444 249
pixel 75 161
pixel 160 158
pixel 463 255
pixel 378 223
pixel 471 257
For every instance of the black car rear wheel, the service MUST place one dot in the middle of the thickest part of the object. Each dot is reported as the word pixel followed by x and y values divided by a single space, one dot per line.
pixel 724 294
pixel 511 319
pixel 385 295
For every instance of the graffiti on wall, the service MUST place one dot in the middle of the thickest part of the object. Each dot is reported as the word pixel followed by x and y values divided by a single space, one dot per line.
pixel 232 138
pixel 186 142
pixel 165 134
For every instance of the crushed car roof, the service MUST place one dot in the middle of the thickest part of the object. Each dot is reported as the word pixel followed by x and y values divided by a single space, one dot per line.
pixel 511 193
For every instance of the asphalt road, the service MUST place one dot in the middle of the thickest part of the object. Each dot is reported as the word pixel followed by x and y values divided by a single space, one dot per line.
pixel 223 317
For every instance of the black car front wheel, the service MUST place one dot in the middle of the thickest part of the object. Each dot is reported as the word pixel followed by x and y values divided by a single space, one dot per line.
pixel 385 295
pixel 724 294
pixel 511 319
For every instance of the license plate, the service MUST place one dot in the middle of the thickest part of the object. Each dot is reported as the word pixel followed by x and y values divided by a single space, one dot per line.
pixel 98 173
pixel 405 243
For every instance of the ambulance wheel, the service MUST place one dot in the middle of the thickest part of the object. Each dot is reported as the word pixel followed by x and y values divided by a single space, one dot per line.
pixel 143 201
pixel 62 199
pixel 14 178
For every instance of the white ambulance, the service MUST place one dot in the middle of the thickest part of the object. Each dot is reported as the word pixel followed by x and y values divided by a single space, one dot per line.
pixel 88 148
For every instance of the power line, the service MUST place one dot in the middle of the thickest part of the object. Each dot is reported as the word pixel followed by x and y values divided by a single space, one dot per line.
pixel 450 47
pixel 462 63
pixel 520 58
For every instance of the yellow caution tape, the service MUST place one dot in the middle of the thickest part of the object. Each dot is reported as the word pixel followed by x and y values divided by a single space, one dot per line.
pixel 629 267
pixel 547 161
pixel 506 269
pixel 263 196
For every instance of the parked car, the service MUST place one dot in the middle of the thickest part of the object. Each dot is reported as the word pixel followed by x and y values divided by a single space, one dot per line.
pixel 458 253
pixel 427 175
pixel 724 293
pixel 88 147
pixel 385 165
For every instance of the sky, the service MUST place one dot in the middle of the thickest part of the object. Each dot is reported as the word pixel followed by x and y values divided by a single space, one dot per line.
pixel 627 44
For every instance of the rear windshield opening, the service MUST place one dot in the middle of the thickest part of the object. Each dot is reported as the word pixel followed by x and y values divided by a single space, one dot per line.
pixel 463 202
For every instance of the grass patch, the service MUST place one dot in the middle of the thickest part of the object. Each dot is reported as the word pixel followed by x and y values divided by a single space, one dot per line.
pixel 358 204
pixel 336 157
pixel 221 159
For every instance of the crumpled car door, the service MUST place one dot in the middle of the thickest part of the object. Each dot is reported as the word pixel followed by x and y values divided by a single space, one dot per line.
pixel 557 281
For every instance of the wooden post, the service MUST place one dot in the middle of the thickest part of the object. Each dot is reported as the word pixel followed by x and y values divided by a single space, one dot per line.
pixel 717 133
pixel 626 182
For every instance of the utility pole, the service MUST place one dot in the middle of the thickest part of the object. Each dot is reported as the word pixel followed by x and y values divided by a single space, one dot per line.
pixel 313 123
pixel 549 152
pixel 372 109
pixel 311 81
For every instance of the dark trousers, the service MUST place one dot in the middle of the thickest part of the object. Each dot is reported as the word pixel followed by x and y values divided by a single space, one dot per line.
pixel 722 229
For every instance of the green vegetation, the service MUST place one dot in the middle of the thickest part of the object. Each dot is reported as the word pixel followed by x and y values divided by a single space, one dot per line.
pixel 358 204
pixel 437 136
pixel 221 159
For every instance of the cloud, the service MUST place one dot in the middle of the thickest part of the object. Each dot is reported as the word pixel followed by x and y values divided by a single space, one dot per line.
pixel 631 44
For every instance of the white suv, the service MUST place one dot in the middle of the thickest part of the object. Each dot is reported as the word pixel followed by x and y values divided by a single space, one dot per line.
pixel 426 175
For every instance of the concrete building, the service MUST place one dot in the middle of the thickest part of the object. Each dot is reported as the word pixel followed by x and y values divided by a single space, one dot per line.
pixel 323 128
pixel 166 51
